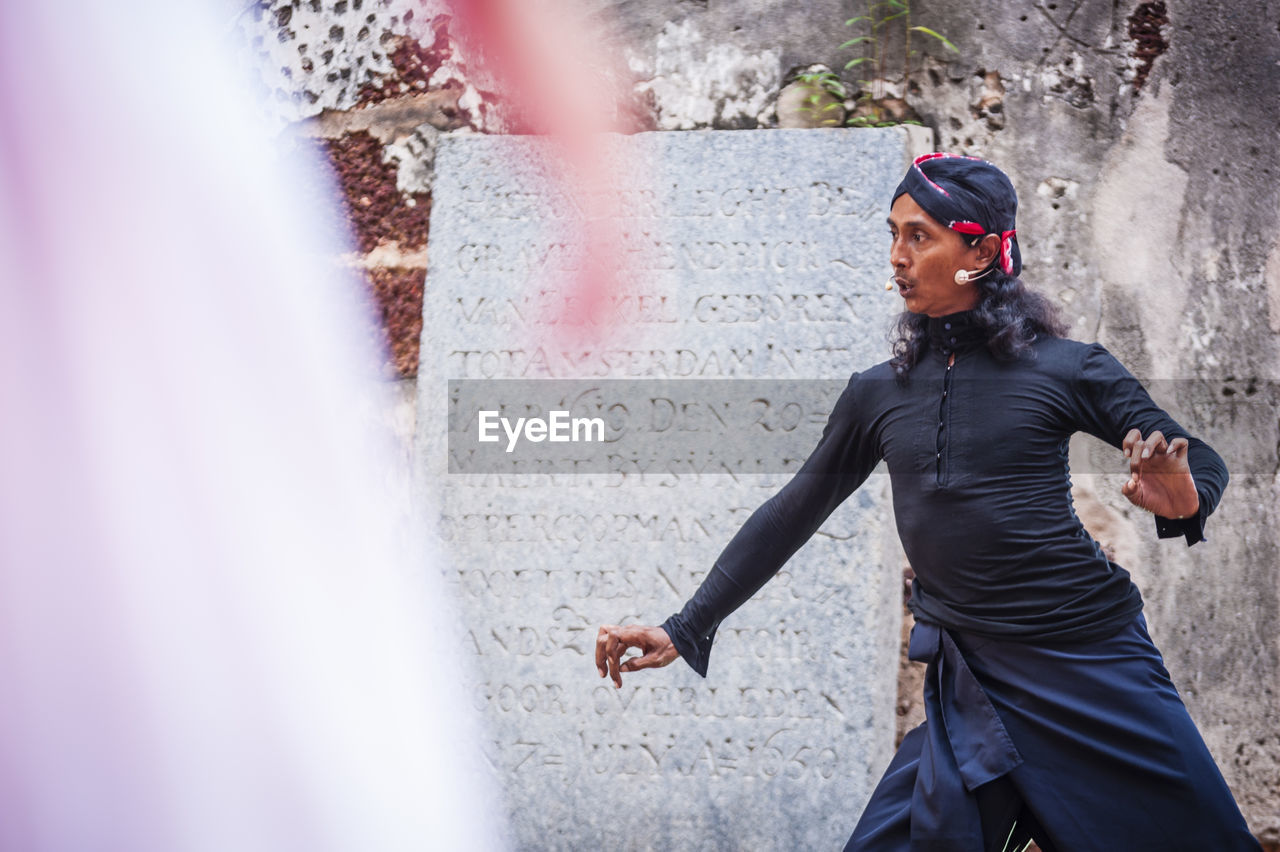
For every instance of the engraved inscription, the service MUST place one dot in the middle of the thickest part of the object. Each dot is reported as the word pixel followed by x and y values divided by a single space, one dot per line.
pixel 648 252
pixel 675 201
pixel 574 526
pixel 768 755
pixel 544 362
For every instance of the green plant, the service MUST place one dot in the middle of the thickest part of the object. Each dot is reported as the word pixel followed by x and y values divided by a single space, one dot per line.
pixel 826 96
pixel 876 44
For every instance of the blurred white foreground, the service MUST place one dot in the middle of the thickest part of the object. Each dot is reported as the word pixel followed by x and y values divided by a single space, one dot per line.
pixel 215 632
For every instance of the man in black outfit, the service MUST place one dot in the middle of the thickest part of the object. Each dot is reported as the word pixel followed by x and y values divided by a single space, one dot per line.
pixel 1061 722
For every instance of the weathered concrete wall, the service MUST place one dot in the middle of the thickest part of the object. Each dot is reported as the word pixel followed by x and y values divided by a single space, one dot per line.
pixel 1151 215
pixel 1142 139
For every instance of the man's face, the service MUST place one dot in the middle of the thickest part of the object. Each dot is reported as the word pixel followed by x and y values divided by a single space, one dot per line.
pixel 925 255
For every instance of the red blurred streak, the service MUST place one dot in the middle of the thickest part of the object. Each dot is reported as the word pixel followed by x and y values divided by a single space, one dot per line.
pixel 553 78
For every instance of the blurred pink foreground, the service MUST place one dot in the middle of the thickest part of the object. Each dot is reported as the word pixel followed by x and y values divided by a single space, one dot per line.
pixel 217 631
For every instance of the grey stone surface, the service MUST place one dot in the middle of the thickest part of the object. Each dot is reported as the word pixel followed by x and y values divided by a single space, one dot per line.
pixel 781 745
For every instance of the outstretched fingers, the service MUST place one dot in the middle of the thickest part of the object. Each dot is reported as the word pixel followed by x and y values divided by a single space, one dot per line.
pixel 1130 440
pixel 1160 480
pixel 602 637
pixel 609 650
pixel 651 660
pixel 1137 449
pixel 611 643
pixel 614 640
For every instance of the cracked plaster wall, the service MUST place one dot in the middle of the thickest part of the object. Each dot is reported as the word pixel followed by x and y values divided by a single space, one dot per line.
pixel 1142 138
pixel 696 82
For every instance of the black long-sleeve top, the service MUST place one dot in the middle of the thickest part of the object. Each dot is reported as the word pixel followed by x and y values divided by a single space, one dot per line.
pixel 977 455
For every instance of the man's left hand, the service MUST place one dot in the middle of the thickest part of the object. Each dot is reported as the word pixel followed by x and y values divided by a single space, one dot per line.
pixel 1159 477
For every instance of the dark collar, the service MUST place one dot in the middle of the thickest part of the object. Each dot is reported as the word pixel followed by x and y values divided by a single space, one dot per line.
pixel 955 333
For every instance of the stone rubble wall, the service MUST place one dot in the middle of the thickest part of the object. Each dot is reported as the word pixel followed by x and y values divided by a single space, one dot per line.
pixel 1141 138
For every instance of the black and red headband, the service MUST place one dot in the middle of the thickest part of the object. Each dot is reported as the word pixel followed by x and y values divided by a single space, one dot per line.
pixel 968 195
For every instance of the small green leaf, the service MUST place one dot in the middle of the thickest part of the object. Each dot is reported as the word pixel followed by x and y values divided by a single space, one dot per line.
pixel 887 124
pixel 830 107
pixel 938 36
pixel 853 21
pixel 858 61
pixel 859 40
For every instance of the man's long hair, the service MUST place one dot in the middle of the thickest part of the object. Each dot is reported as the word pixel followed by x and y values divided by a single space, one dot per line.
pixel 1012 315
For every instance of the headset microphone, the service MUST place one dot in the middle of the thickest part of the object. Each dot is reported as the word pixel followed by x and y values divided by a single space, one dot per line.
pixel 964 276
pixel 888 285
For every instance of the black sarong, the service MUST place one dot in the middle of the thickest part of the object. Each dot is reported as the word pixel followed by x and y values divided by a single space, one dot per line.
pixel 1086 746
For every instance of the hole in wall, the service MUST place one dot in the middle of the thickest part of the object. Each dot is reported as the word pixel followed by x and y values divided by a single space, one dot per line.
pixel 1146 31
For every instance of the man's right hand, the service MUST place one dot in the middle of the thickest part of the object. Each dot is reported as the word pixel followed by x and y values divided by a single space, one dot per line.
pixel 613 641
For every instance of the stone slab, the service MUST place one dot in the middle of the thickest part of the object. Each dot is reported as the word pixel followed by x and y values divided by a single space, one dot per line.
pixel 750 285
